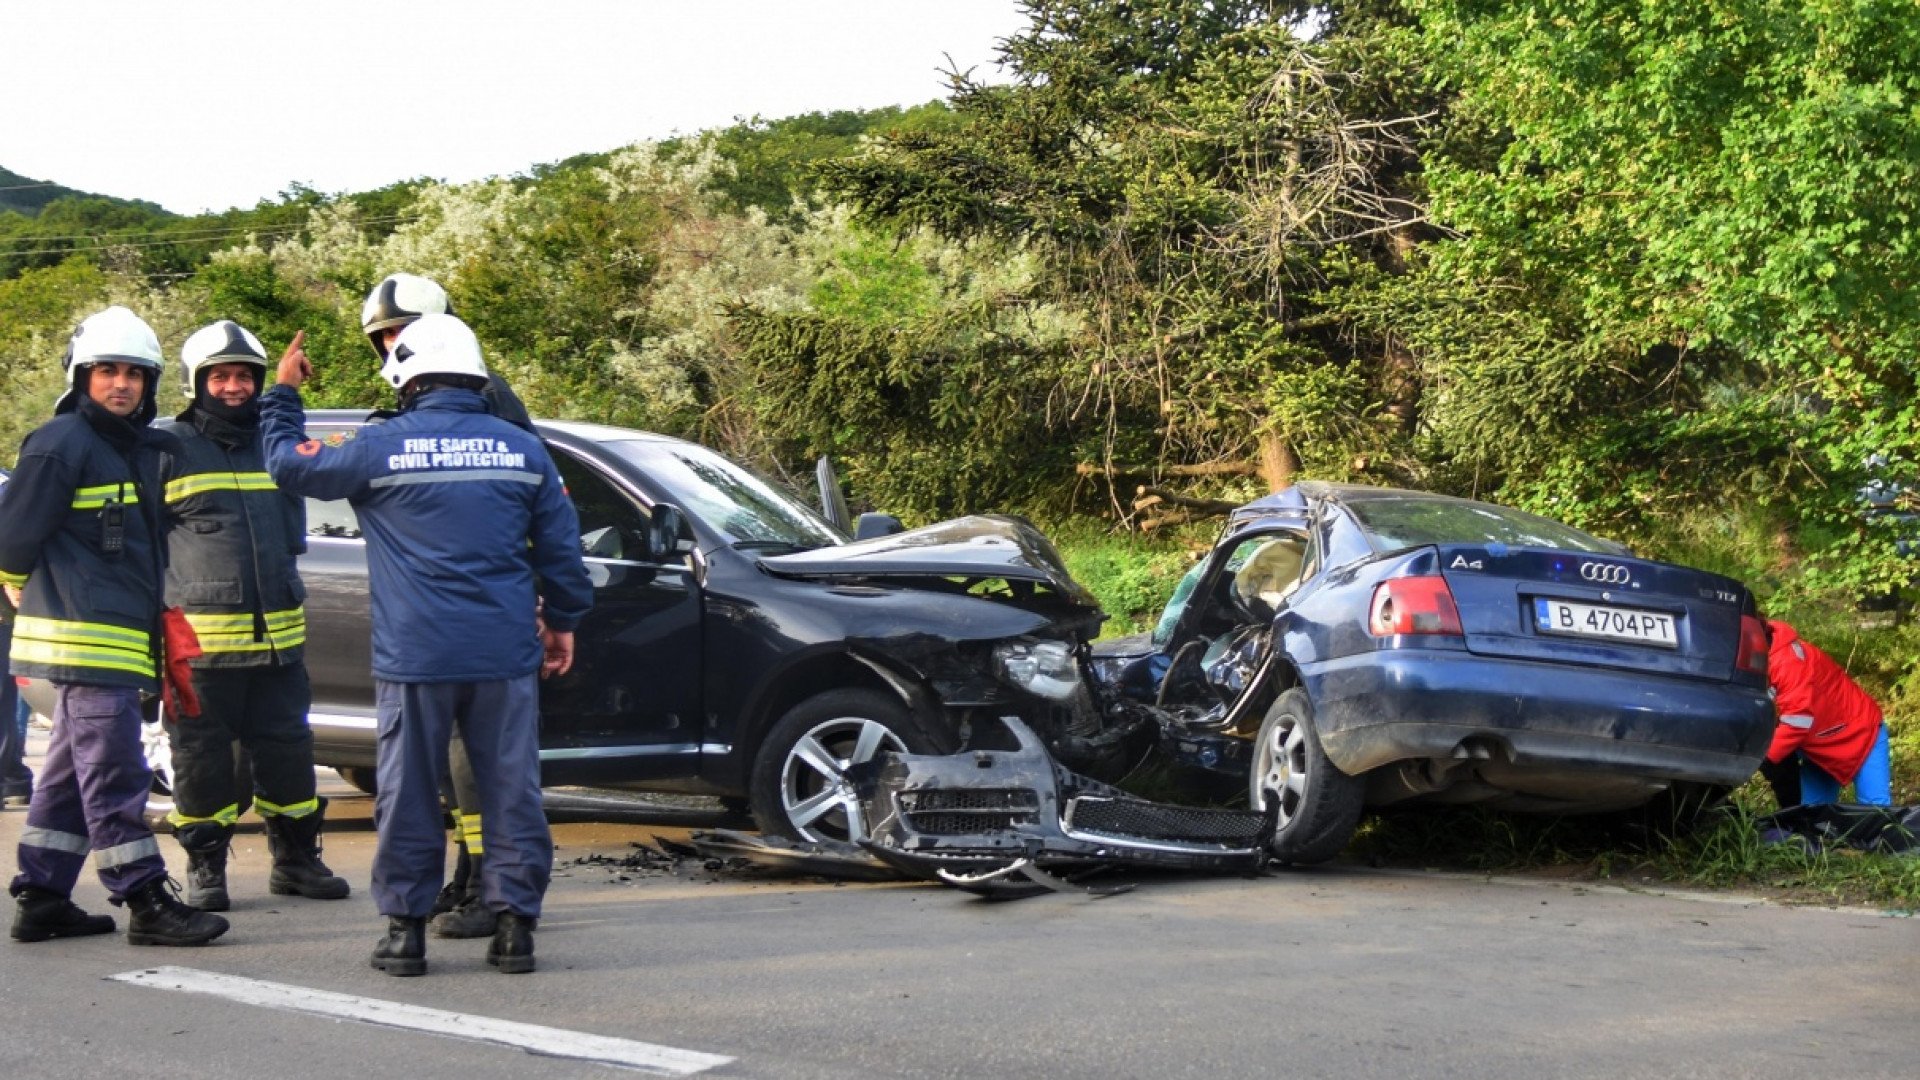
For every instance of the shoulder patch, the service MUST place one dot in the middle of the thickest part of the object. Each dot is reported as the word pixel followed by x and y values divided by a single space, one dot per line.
pixel 339 438
pixel 308 449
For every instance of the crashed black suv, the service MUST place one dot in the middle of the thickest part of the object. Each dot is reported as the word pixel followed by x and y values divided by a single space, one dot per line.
pixel 741 646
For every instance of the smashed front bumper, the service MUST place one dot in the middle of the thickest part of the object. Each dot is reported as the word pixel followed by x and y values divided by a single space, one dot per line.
pixel 978 817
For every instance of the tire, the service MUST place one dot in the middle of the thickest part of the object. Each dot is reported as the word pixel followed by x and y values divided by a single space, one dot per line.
pixel 798 788
pixel 1319 805
pixel 359 777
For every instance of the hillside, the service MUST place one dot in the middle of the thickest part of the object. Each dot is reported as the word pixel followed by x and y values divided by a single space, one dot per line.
pixel 27 195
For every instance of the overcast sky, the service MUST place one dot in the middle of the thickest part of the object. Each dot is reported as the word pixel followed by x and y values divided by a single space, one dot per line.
pixel 206 104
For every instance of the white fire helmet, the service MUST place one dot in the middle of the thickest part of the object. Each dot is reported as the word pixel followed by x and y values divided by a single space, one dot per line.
pixel 433 345
pixel 224 342
pixel 115 335
pixel 399 300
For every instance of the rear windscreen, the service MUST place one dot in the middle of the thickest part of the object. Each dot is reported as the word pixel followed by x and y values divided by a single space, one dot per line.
pixel 1392 524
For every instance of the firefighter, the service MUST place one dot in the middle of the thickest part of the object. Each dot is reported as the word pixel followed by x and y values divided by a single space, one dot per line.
pixel 467 522
pixel 232 543
pixel 80 528
pixel 459 911
pixel 1830 732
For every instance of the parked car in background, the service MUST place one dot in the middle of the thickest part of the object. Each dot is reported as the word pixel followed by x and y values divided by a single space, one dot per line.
pixel 739 645
pixel 1349 647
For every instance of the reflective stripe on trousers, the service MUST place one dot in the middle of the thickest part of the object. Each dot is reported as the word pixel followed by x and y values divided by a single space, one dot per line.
pixel 92 795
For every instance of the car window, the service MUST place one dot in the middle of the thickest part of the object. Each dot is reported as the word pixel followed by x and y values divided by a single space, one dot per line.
pixel 612 526
pixel 1393 524
pixel 334 520
pixel 751 512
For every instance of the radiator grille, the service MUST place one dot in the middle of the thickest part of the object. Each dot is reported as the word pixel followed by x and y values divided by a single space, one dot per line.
pixel 1137 818
pixel 968 811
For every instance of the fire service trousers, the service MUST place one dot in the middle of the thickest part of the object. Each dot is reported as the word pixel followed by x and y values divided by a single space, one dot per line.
pixel 92 797
pixel 499 722
pixel 264 709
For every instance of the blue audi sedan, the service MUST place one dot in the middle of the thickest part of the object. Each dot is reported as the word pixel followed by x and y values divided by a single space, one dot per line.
pixel 1349 647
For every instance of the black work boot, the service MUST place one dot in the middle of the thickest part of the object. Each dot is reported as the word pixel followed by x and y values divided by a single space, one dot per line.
pixel 404 950
pixel 297 869
pixel 159 918
pixel 470 917
pixel 44 914
pixel 512 947
pixel 455 891
pixel 206 845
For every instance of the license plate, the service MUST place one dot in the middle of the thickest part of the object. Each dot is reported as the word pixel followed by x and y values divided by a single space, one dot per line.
pixel 1606 623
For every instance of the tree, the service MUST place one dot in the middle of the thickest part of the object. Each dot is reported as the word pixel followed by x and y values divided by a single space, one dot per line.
pixel 1197 177
pixel 1685 250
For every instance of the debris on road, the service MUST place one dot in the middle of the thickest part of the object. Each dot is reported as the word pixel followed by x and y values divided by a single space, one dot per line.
pixel 725 851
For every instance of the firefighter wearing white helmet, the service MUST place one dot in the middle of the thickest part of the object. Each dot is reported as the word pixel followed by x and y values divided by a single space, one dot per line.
pixel 397 301
pixel 234 539
pixel 80 529
pixel 447 484
pixel 459 912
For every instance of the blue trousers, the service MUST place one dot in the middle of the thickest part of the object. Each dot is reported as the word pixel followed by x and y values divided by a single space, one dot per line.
pixel 500 723
pixel 15 778
pixel 1872 785
pixel 92 797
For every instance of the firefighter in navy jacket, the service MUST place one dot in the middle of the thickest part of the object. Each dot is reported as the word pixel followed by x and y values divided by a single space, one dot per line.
pixel 460 911
pixel 232 543
pixel 80 529
pixel 466 521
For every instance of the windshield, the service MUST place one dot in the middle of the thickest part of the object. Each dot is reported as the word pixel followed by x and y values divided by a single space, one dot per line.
pixel 749 511
pixel 1392 524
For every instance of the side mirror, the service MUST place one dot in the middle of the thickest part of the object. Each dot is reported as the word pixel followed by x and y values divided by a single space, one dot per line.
pixel 872 525
pixel 669 534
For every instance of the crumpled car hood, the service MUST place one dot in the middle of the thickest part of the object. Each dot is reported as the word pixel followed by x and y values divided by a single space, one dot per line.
pixel 981 546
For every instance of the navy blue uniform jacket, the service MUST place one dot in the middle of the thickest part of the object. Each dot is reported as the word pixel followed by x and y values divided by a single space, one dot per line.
pixel 461 511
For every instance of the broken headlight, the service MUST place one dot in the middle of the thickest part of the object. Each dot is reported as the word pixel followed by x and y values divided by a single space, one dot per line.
pixel 1046 669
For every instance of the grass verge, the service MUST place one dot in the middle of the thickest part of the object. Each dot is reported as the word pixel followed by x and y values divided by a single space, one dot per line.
pixel 1723 850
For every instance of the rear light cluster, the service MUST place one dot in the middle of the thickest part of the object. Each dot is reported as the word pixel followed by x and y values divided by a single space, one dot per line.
pixel 1413 605
pixel 1753 646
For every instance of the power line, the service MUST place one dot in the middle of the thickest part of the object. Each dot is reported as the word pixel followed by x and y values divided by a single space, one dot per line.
pixel 107 242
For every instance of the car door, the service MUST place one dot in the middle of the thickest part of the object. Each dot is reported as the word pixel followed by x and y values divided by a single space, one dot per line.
pixel 631 708
pixel 339 649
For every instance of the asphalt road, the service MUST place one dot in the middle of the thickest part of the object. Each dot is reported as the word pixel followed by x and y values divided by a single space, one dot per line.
pixel 1341 973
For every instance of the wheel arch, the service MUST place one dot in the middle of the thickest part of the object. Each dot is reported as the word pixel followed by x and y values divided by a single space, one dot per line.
pixel 807 677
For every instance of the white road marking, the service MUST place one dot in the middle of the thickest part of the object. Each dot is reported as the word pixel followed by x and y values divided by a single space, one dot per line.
pixel 533 1038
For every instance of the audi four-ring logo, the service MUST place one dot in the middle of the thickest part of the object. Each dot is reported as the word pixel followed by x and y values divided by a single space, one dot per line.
pixel 1603 573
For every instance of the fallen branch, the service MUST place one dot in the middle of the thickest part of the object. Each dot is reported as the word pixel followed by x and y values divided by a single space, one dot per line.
pixel 1150 497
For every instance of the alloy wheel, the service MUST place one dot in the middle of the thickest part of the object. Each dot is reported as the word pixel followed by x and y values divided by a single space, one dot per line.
pixel 814 791
pixel 1280 768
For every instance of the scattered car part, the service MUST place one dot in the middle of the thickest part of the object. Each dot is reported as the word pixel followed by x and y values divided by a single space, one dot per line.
pixel 992 820
pixel 828 859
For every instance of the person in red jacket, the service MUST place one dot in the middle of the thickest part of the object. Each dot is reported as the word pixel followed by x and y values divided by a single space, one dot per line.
pixel 1830 731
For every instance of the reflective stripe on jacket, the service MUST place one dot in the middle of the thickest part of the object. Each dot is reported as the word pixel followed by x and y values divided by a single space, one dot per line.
pixel 89 613
pixel 232 544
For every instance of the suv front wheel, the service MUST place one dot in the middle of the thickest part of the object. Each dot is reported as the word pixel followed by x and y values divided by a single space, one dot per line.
pixel 799 785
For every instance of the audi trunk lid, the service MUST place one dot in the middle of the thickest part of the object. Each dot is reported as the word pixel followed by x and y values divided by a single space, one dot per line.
pixel 1600 609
